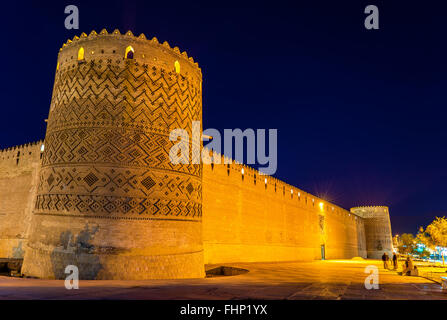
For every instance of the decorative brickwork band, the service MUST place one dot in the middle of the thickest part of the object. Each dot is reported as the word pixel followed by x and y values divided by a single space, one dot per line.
pixel 117 207
pixel 126 148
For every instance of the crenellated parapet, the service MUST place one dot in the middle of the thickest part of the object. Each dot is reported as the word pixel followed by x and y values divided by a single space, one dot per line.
pixel 21 158
pixel 225 167
pixel 23 147
pixel 117 46
pixel 128 35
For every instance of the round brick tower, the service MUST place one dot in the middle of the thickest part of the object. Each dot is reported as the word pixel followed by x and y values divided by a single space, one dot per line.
pixel 109 200
pixel 377 230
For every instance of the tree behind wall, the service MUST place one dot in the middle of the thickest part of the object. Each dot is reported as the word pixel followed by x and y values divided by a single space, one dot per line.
pixel 406 244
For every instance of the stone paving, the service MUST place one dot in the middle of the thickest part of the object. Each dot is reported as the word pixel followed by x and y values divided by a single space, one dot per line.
pixel 332 279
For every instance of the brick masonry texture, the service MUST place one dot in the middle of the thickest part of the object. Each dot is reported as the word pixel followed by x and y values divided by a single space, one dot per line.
pixel 109 200
pixel 377 229
pixel 104 196
pixel 19 170
pixel 247 219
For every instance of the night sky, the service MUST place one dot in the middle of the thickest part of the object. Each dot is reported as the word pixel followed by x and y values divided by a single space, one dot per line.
pixel 360 113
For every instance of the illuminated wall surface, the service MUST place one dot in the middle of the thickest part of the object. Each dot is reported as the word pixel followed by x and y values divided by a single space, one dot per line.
pixel 247 219
pixel 19 176
pixel 104 196
pixel 377 230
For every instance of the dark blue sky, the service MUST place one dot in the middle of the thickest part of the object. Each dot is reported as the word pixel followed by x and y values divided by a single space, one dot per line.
pixel 360 114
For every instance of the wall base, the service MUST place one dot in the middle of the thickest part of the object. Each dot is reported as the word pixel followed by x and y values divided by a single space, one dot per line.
pixel 46 265
pixel 114 248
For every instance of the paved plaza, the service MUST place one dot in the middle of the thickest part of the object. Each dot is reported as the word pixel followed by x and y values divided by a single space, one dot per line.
pixel 332 279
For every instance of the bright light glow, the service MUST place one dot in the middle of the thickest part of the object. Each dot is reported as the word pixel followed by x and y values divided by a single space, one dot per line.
pixel 299 194
pixel 321 204
pixel 291 191
pixel 42 147
pixel 265 180
pixel 81 54
pixel 177 66
pixel 242 171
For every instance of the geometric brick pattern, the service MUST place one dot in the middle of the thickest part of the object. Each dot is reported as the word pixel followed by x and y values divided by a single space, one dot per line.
pixel 107 93
pixel 118 207
pixel 119 181
pixel 108 140
pixel 60 187
pixel 106 145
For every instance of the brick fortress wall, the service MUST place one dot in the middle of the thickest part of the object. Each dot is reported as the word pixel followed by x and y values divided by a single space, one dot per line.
pixel 246 219
pixel 250 217
pixel 19 171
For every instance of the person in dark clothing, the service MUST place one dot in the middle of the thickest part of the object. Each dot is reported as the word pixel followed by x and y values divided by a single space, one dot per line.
pixel 385 259
pixel 394 260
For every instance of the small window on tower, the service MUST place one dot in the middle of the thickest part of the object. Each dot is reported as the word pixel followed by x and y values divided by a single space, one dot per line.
pixel 81 54
pixel 129 52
